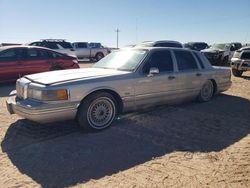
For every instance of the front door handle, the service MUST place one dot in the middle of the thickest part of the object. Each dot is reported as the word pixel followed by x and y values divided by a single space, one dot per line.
pixel 198 74
pixel 171 77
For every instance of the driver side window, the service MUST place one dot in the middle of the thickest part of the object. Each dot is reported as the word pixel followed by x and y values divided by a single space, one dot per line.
pixel 161 60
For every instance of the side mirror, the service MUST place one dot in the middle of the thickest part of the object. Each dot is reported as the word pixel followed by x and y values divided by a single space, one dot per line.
pixel 153 71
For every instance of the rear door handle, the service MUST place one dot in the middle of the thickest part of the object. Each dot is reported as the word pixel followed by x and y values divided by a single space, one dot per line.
pixel 198 74
pixel 171 77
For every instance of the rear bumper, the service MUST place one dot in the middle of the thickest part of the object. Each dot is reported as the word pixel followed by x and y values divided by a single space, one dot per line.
pixel 41 112
pixel 223 86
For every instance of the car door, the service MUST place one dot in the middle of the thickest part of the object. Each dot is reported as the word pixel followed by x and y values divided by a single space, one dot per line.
pixel 159 88
pixel 9 61
pixel 34 61
pixel 82 50
pixel 189 76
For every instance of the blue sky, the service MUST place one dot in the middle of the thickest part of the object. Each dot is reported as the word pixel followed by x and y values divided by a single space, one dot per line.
pixel 96 20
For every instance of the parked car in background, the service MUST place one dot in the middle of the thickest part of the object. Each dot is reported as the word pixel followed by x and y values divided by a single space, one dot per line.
pixel 219 54
pixel 161 43
pixel 236 45
pixel 123 81
pixel 93 51
pixel 17 61
pixel 59 45
pixel 241 61
pixel 9 44
pixel 198 46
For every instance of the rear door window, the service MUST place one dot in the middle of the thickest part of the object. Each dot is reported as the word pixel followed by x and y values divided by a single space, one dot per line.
pixel 54 55
pixel 185 60
pixel 32 53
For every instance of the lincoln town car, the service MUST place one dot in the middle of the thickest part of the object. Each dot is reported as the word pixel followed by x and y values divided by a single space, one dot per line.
pixel 123 81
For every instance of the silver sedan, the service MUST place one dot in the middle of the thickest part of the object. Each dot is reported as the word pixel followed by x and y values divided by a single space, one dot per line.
pixel 123 81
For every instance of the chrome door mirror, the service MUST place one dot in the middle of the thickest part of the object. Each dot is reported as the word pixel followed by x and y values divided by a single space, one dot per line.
pixel 153 71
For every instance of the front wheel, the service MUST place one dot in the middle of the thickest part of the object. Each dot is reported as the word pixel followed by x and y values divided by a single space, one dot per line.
pixel 97 111
pixel 206 92
pixel 237 73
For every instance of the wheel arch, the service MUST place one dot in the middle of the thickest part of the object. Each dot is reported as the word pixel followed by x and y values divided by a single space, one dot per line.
pixel 116 96
pixel 214 85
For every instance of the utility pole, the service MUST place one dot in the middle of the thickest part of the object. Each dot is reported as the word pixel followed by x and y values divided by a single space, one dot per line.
pixel 136 31
pixel 117 37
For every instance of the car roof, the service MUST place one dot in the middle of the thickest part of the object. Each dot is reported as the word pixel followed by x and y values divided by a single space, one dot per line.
pixel 157 48
pixel 196 43
pixel 244 48
pixel 26 46
pixel 160 41
pixel 78 42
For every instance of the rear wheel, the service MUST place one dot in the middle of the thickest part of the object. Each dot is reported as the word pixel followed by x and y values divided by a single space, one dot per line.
pixel 99 56
pixel 206 92
pixel 237 73
pixel 97 111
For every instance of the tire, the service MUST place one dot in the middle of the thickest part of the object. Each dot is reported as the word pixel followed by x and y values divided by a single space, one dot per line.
pixel 237 73
pixel 97 111
pixel 99 56
pixel 207 91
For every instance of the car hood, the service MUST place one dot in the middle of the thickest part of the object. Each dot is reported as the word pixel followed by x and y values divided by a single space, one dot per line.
pixel 213 50
pixel 54 77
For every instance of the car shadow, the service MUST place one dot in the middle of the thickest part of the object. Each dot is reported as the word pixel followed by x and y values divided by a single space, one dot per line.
pixel 61 155
pixel 6 88
pixel 246 77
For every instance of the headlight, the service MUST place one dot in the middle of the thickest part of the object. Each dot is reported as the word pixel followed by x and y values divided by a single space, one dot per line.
pixel 48 95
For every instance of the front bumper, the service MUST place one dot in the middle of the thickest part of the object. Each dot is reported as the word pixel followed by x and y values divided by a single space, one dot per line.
pixel 41 112
pixel 213 58
pixel 241 66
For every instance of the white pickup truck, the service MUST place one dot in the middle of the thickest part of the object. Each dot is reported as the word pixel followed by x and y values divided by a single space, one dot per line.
pixel 88 50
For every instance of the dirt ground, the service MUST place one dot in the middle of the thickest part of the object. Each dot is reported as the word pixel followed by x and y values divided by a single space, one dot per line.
pixel 188 145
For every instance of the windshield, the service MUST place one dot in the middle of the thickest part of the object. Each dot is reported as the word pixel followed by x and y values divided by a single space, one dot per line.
pixel 219 46
pixel 126 60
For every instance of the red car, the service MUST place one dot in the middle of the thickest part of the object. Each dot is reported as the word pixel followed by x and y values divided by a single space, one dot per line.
pixel 16 61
